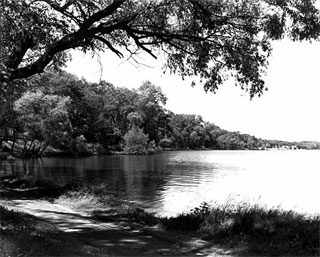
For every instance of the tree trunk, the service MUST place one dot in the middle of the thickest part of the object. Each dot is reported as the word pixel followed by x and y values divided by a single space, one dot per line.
pixel 43 149
pixel 25 146
pixel 13 141
pixel 31 144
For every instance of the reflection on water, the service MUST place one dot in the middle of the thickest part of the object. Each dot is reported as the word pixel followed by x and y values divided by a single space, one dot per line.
pixel 173 182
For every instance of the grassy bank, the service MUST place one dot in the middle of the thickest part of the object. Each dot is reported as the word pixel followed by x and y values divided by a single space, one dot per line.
pixel 244 229
pixel 252 230
pixel 96 201
pixel 257 230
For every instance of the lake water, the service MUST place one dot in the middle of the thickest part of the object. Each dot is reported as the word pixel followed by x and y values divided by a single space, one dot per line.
pixel 173 182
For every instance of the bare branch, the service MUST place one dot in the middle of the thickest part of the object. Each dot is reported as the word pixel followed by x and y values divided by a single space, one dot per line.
pixel 102 14
pixel 103 40
pixel 140 44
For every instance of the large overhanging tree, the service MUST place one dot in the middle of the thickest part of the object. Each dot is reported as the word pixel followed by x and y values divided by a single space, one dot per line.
pixel 211 39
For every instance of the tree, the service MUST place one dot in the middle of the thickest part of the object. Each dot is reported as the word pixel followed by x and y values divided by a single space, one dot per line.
pixel 136 142
pixel 45 120
pixel 135 119
pixel 150 104
pixel 231 141
pixel 210 39
pixel 187 130
pixel 85 106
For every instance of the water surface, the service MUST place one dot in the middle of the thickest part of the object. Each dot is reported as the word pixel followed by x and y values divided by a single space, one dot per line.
pixel 173 182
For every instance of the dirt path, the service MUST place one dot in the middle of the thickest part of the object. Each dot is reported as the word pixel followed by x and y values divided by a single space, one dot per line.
pixel 62 217
pixel 114 239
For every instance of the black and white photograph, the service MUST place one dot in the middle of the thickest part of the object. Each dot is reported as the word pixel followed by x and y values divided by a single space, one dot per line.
pixel 159 128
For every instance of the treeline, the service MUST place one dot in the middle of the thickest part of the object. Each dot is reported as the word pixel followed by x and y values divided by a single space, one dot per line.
pixel 59 111
pixel 306 145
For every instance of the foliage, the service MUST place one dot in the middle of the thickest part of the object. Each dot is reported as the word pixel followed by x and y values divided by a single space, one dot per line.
pixel 209 39
pixel 136 142
pixel 74 116
pixel 231 141
pixel 79 147
pixel 165 143
pixel 190 131
pixel 44 118
pixel 135 119
pixel 9 93
pixel 150 104
pixel 97 111
pixel 190 221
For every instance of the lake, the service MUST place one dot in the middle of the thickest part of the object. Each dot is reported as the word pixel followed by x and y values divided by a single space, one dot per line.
pixel 172 182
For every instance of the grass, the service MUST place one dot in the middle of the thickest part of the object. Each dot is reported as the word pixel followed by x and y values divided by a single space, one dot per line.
pixel 262 231
pixel 247 229
pixel 271 232
pixel 88 197
pixel 96 201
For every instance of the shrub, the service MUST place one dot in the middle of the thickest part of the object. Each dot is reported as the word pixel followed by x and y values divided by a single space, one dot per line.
pixel 136 142
pixel 191 221
pixel 165 143
pixel 99 149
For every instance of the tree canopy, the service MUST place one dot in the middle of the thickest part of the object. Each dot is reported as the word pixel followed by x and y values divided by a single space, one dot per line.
pixel 61 114
pixel 209 39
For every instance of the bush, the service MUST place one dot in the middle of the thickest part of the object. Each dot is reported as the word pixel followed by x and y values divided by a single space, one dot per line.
pixel 191 221
pixel 98 149
pixel 165 143
pixel 136 142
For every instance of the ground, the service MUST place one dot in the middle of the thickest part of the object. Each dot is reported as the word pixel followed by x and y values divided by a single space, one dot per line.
pixel 113 238
pixel 39 219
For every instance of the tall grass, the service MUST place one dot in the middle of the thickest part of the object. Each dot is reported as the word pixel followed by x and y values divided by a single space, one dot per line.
pixel 96 200
pixel 86 197
pixel 263 231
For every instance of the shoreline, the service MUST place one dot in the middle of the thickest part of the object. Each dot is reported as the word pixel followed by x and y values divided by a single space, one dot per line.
pixel 9 156
pixel 241 229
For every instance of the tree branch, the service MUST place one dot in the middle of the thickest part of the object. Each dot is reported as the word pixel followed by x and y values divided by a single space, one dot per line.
pixel 103 40
pixel 17 55
pixel 61 9
pixel 102 14
pixel 139 44
pixel 73 40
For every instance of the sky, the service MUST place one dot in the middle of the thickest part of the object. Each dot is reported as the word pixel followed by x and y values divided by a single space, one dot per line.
pixel 289 110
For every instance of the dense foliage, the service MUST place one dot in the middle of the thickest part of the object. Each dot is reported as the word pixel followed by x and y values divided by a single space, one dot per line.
pixel 44 118
pixel 210 40
pixel 205 38
pixel 78 117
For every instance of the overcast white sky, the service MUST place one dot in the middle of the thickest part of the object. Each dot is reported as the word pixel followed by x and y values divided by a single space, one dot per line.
pixel 288 111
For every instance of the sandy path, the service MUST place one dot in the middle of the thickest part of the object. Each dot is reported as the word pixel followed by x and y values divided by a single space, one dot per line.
pixel 112 238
